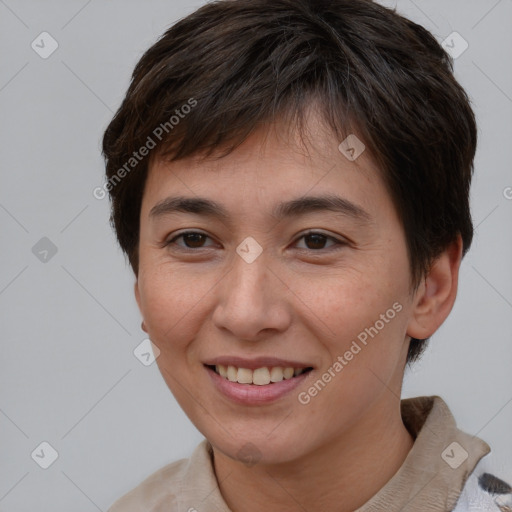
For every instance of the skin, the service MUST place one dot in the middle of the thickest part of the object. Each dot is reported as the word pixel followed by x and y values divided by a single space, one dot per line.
pixel 300 299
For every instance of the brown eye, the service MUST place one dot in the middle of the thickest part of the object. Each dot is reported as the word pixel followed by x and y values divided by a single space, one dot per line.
pixel 317 241
pixel 191 239
pixel 194 239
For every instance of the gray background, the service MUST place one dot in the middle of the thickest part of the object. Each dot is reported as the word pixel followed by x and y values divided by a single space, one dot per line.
pixel 69 324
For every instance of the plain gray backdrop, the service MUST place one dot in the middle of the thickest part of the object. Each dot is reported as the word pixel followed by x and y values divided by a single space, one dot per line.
pixel 69 321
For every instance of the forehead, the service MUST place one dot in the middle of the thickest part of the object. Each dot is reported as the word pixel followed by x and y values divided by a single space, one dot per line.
pixel 273 163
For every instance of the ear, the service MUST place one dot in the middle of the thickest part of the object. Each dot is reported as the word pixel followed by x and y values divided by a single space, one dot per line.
pixel 137 293
pixel 434 298
pixel 137 298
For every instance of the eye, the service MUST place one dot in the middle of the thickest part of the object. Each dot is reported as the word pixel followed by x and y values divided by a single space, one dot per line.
pixel 192 240
pixel 315 240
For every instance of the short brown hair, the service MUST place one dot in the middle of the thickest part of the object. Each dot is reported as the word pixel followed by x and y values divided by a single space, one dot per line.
pixel 370 71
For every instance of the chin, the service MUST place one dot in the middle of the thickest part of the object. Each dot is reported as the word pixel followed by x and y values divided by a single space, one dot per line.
pixel 251 450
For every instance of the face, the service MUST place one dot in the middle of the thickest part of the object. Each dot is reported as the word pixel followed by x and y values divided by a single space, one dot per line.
pixel 277 276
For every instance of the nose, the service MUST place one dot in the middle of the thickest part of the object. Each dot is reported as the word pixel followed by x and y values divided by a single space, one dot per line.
pixel 252 300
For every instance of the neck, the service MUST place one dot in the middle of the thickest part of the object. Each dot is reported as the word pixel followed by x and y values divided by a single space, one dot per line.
pixel 341 475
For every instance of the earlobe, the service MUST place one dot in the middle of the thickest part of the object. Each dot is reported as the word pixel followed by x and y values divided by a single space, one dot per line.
pixel 435 297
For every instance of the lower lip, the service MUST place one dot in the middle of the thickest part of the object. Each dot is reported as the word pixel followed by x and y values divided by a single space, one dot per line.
pixel 252 394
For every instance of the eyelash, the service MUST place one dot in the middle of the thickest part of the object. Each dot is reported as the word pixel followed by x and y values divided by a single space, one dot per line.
pixel 338 242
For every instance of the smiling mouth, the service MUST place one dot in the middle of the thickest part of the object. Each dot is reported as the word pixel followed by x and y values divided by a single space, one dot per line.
pixel 259 376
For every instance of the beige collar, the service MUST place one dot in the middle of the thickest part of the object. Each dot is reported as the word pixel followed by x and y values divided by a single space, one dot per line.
pixel 438 465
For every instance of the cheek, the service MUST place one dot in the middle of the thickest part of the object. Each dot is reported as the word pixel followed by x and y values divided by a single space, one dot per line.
pixel 360 316
pixel 345 303
pixel 169 302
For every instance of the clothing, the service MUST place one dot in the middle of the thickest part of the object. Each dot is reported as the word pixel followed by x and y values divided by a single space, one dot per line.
pixel 475 499
pixel 432 478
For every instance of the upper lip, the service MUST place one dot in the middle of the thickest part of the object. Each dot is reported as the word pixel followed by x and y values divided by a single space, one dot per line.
pixel 257 362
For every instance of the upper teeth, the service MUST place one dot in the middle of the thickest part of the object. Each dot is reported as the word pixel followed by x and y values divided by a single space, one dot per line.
pixel 259 376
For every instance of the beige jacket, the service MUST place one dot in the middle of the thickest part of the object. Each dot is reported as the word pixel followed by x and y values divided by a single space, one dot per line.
pixel 431 477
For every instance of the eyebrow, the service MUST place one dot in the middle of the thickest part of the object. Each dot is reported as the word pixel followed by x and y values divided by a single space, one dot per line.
pixel 292 208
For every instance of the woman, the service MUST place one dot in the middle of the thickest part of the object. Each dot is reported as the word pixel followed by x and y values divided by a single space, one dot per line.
pixel 290 181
